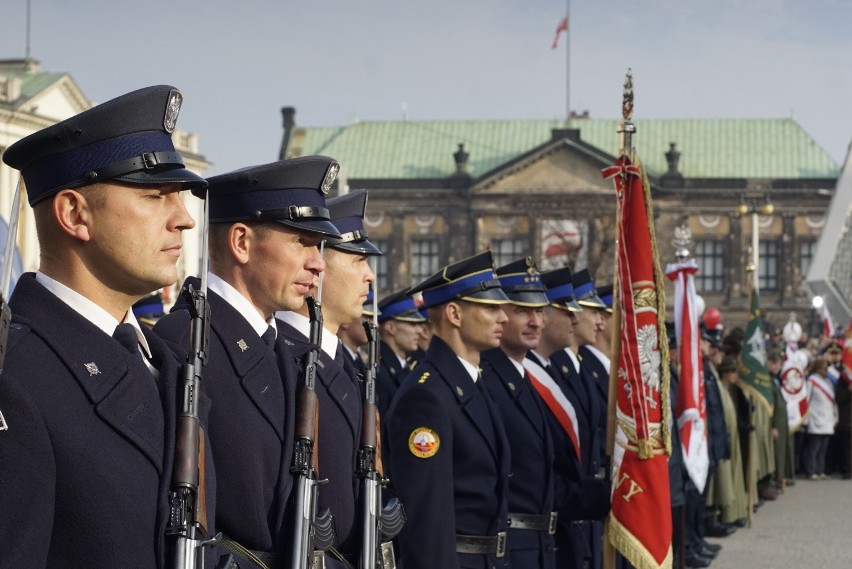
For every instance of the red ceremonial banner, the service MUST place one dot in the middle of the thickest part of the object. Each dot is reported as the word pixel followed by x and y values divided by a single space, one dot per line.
pixel 640 524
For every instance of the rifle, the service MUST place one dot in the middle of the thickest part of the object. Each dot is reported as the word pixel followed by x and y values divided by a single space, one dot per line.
pixel 311 531
pixel 376 523
pixel 187 501
pixel 5 311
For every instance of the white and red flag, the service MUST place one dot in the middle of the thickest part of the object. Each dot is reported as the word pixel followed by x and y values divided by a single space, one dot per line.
pixel 560 29
pixel 640 523
pixel 827 322
pixel 691 406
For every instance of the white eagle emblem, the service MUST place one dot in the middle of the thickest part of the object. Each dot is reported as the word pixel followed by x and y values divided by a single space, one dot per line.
pixel 649 356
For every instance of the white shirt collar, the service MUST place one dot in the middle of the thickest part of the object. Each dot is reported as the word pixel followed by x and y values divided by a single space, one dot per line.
pixel 303 325
pixel 545 361
pixel 91 311
pixel 240 303
pixel 574 359
pixel 600 355
pixel 518 366
pixel 471 369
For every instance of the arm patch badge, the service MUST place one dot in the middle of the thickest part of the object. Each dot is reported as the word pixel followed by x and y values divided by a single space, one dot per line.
pixel 424 442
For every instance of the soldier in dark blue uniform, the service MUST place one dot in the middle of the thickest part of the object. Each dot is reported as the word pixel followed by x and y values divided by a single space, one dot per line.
pixel 399 329
pixel 346 284
pixel 582 494
pixel 265 224
pixel 532 518
pixel 90 396
pixel 449 457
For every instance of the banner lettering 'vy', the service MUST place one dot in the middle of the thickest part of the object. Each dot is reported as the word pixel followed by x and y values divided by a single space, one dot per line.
pixel 640 521
pixel 691 405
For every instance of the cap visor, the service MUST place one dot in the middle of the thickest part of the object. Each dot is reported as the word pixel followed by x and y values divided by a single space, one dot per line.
pixel 364 247
pixel 592 302
pixel 321 226
pixel 186 178
pixel 528 298
pixel 489 296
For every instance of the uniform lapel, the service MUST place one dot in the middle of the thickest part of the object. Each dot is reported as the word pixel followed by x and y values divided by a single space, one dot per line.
pixel 341 389
pixel 125 402
pixel 251 360
pixel 518 388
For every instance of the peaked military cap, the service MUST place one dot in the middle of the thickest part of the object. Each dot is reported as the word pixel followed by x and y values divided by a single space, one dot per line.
pixel 347 215
pixel 584 290
pixel 605 294
pixel 521 282
pixel 291 192
pixel 400 306
pixel 127 139
pixel 712 335
pixel 560 289
pixel 472 279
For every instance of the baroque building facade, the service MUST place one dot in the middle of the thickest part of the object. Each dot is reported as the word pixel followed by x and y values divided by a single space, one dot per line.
pixel 443 190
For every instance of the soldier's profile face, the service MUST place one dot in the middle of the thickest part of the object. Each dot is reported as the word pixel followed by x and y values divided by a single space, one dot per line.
pixel 135 235
pixel 346 285
pixel 406 334
pixel 559 326
pixel 482 324
pixel 283 265
pixel 588 323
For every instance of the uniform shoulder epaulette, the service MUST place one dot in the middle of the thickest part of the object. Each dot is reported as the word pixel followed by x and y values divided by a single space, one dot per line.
pixel 423 377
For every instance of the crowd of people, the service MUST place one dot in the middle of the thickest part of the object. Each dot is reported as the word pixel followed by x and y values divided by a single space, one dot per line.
pixel 492 383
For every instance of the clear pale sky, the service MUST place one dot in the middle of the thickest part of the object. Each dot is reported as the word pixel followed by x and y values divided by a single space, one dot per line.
pixel 238 63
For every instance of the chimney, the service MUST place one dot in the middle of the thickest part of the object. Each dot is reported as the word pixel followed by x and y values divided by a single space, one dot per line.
pixel 289 116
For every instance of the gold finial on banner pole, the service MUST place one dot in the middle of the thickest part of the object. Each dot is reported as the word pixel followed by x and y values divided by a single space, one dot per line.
pixel 626 129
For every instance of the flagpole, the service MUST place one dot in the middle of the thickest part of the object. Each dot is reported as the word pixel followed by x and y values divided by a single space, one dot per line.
pixel 625 131
pixel 568 63
pixel 752 437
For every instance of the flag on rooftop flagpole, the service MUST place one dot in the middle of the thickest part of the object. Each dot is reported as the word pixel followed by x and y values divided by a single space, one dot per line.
pixel 753 375
pixel 691 406
pixel 560 28
pixel 640 522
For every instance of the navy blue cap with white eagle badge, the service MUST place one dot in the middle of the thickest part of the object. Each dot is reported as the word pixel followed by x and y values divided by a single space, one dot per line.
pixel 605 294
pixel 521 282
pixel 126 140
pixel 472 279
pixel 347 215
pixel 291 192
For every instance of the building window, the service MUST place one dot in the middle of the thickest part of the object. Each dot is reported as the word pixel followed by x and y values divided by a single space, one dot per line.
pixel 710 256
pixel 425 259
pixel 807 249
pixel 768 266
pixel 507 250
pixel 381 266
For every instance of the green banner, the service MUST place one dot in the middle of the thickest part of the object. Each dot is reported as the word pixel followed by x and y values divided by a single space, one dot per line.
pixel 754 376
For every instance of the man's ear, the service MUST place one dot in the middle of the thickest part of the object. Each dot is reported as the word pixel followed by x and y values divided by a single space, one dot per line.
pixel 453 314
pixel 73 214
pixel 240 241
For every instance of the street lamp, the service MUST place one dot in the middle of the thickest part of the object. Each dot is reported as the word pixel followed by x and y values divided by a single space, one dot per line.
pixel 754 207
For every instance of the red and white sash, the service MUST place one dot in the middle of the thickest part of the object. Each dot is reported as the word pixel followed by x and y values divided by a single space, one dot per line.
pixel 556 401
pixel 819 383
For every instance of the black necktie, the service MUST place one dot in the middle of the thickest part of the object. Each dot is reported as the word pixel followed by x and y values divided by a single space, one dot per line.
pixel 125 334
pixel 268 337
pixel 480 385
